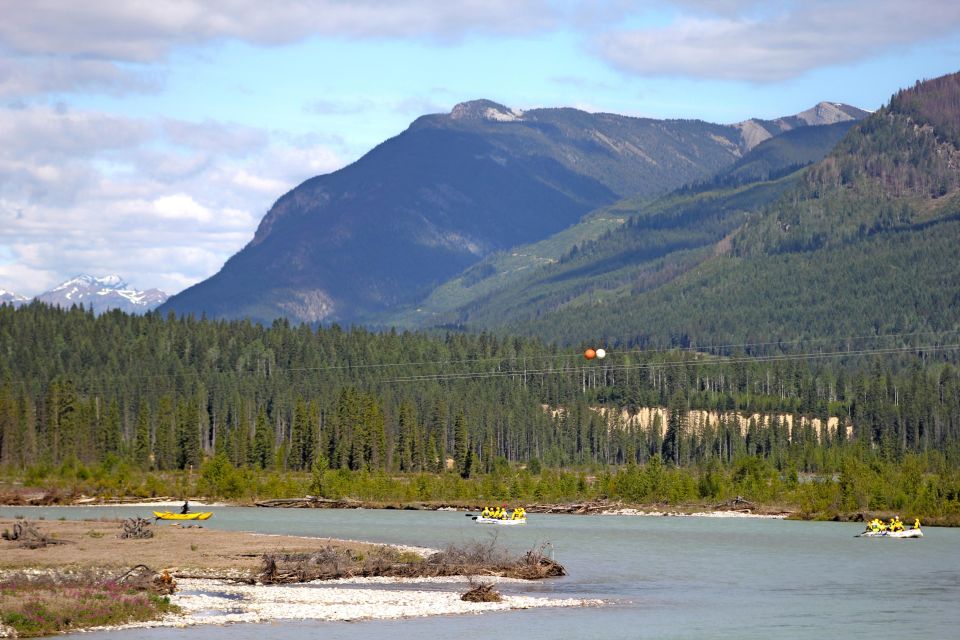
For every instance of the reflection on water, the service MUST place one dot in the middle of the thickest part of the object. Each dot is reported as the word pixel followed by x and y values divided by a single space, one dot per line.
pixel 697 578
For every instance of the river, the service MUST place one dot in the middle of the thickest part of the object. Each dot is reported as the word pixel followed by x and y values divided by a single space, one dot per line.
pixel 662 577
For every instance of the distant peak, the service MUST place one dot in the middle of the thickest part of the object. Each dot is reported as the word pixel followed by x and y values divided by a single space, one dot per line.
pixel 485 110
pixel 7 296
pixel 111 281
pixel 831 113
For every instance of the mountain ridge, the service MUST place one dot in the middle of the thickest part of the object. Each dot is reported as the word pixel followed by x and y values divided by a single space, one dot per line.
pixel 861 243
pixel 435 199
pixel 102 294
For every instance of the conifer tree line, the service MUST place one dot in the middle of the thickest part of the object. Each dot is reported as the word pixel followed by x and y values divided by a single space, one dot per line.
pixel 164 393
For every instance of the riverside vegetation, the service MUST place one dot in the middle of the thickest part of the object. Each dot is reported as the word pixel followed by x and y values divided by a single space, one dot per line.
pixel 41 605
pixel 144 406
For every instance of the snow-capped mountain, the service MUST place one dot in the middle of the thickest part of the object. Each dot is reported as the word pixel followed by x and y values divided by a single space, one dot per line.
pixel 103 294
pixel 9 297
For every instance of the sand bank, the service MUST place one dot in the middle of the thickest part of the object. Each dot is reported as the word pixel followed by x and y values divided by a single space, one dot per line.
pixel 216 602
pixel 94 545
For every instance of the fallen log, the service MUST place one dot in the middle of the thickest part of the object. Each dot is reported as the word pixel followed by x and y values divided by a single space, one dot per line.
pixel 309 502
pixel 29 537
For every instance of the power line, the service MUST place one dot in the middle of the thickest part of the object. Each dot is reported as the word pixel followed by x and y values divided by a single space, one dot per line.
pixel 547 357
pixel 684 363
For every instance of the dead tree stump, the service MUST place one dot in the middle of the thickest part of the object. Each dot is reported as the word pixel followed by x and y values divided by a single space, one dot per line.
pixel 137 529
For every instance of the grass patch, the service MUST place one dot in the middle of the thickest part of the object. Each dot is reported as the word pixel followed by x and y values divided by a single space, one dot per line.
pixel 45 605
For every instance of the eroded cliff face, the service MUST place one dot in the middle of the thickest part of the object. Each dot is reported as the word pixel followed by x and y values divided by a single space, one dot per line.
pixel 649 419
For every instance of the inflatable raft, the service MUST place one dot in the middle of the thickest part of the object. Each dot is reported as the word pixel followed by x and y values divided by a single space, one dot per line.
pixel 508 522
pixel 166 515
pixel 906 533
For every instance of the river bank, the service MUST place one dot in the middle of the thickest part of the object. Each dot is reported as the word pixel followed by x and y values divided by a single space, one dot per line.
pixel 226 576
pixel 732 508
pixel 735 508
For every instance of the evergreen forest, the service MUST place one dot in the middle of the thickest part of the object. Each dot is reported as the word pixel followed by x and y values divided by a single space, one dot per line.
pixel 153 405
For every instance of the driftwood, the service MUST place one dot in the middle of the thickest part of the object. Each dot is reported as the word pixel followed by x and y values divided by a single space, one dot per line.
pixel 136 528
pixel 310 502
pixel 143 578
pixel 475 559
pixel 29 537
pixel 739 504
pixel 482 592
pixel 594 506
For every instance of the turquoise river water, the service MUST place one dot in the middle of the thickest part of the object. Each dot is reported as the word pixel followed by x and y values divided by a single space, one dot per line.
pixel 662 577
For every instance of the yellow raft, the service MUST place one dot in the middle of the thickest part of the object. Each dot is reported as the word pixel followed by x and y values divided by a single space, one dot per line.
pixel 166 515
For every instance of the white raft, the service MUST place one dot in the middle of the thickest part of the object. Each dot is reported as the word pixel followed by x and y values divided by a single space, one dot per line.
pixel 482 520
pixel 906 533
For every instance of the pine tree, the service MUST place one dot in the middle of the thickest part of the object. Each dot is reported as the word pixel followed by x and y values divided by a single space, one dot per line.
pixel 263 441
pixel 676 428
pixel 461 445
pixel 110 439
pixel 142 449
pixel 301 437
pixel 165 442
pixel 406 434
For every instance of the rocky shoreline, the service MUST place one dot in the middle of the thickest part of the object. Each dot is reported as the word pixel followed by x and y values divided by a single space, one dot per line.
pixel 228 577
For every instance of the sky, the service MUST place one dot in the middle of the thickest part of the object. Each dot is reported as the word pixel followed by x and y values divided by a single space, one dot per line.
pixel 147 138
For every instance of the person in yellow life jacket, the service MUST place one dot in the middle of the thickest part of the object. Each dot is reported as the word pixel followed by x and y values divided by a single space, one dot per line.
pixel 485 513
pixel 916 523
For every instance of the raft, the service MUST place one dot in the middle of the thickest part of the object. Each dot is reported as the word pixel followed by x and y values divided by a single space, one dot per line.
pixel 482 520
pixel 906 533
pixel 166 515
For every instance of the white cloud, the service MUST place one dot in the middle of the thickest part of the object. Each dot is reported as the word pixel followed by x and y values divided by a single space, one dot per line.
pixel 32 75
pixel 181 206
pixel 739 41
pixel 103 45
pixel 163 203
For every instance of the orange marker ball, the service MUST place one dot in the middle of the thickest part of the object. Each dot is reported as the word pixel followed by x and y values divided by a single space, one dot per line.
pixel 589 354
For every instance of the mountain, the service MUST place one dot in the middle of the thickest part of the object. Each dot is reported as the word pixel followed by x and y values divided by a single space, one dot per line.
pixel 9 297
pixel 785 153
pixel 755 131
pixel 620 244
pixel 451 189
pixel 861 243
pixel 102 294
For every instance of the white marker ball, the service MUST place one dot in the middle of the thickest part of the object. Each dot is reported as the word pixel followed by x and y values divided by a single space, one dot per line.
pixel 601 353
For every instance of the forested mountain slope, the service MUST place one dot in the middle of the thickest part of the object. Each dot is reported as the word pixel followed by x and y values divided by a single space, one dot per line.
pixel 864 243
pixel 621 243
pixel 451 189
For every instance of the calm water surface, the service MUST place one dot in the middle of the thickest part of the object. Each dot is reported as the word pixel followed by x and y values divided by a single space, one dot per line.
pixel 697 578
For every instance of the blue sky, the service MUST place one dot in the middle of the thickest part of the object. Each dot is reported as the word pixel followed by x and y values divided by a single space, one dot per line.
pixel 149 138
